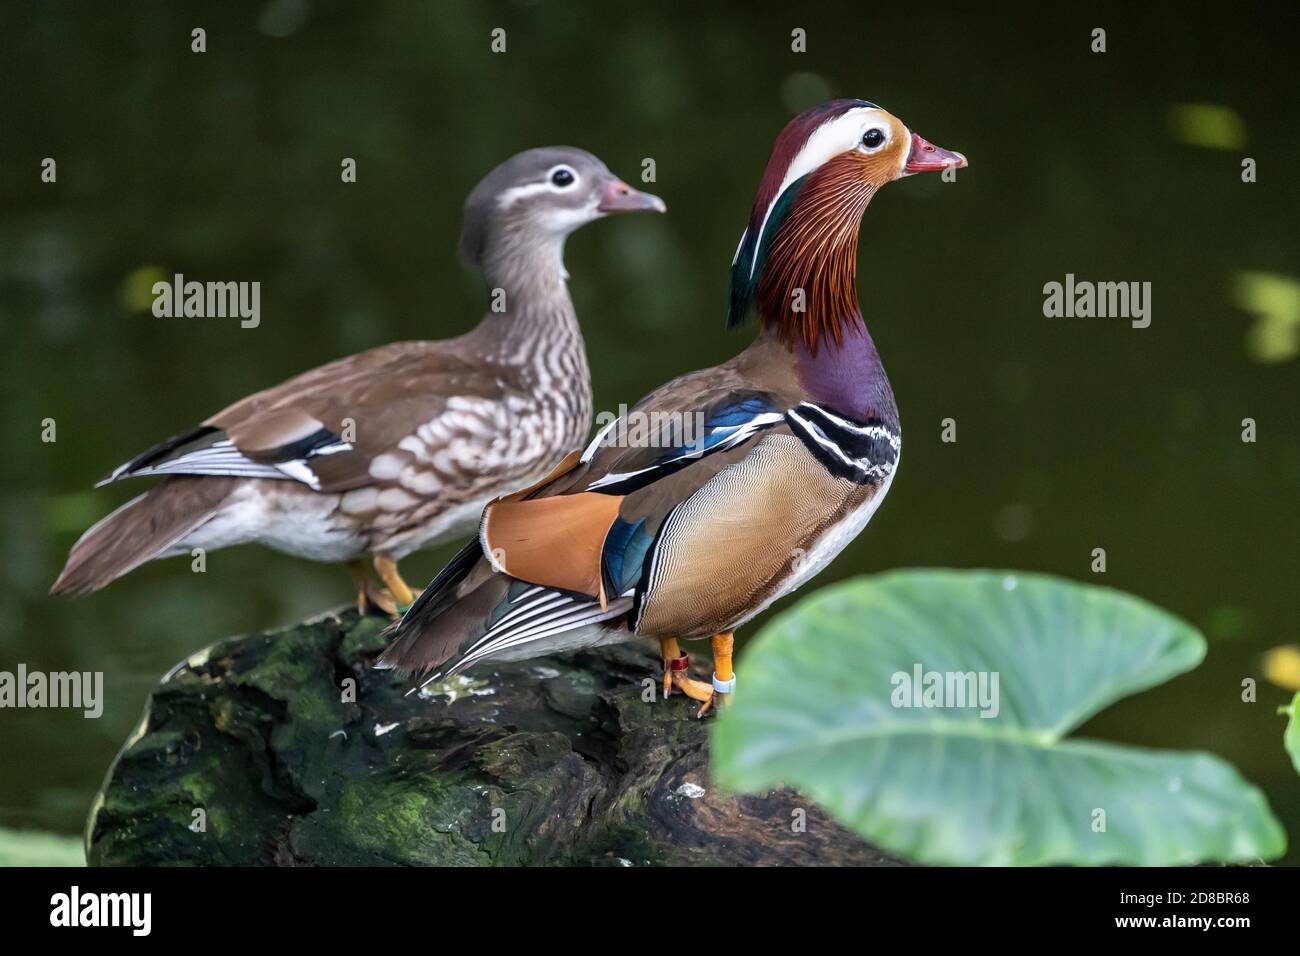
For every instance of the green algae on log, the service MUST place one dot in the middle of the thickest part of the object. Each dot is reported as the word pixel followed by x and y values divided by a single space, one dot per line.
pixel 261 750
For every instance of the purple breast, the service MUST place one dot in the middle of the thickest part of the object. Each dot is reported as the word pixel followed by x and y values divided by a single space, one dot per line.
pixel 848 378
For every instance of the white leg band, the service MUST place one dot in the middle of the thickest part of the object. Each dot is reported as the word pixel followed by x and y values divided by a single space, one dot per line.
pixel 724 686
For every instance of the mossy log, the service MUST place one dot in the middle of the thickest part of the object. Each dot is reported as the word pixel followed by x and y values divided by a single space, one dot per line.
pixel 558 760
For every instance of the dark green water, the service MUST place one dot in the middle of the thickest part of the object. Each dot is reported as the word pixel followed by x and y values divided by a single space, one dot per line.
pixel 1073 434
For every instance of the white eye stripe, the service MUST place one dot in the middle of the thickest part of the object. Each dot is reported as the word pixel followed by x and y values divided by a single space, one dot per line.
pixel 835 136
pixel 511 196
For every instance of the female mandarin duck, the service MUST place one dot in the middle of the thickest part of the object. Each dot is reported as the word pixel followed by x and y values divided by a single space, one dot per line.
pixel 799 445
pixel 400 447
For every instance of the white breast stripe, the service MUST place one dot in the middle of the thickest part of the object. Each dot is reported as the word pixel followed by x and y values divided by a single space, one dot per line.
pixel 863 451
pixel 868 431
pixel 817 435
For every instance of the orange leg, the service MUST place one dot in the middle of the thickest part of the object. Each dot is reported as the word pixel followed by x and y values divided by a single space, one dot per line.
pixel 724 678
pixel 677 672
pixel 386 568
pixel 368 595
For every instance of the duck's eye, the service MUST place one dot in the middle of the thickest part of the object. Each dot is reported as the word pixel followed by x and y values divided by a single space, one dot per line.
pixel 872 138
pixel 563 177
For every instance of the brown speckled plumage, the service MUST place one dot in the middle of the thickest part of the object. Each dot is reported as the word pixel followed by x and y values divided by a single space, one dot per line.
pixel 399 447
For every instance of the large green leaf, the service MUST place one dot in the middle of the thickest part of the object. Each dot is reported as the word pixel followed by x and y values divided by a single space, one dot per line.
pixel 1291 736
pixel 814 709
pixel 35 848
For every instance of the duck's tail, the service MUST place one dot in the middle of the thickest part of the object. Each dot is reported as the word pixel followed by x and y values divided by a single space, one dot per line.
pixel 441 618
pixel 472 612
pixel 142 529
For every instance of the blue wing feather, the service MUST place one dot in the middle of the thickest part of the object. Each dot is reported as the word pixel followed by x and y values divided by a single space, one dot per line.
pixel 724 426
pixel 623 554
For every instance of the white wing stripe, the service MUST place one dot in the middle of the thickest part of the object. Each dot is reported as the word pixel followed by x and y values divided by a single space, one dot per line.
pixel 591 614
pixel 524 612
pixel 222 458
pixel 739 434
pixel 546 602
pixel 589 452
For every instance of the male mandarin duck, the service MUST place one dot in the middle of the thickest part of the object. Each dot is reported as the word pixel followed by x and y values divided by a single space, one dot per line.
pixel 799 444
pixel 400 447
